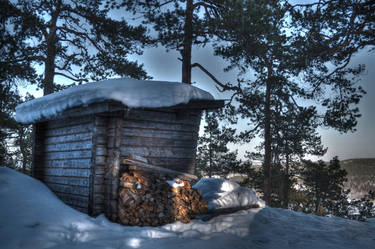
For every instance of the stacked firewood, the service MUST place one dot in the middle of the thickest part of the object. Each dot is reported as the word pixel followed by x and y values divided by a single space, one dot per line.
pixel 151 199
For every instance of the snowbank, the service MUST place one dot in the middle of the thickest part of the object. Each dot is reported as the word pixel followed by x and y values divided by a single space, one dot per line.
pixel 132 93
pixel 221 193
pixel 32 217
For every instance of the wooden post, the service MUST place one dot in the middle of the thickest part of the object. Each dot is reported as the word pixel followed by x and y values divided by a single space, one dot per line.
pixel 38 148
pixel 111 176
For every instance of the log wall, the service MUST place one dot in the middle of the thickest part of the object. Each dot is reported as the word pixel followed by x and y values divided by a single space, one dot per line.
pixel 166 138
pixel 62 158
pixel 79 157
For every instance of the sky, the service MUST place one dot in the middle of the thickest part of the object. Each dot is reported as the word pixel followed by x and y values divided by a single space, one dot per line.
pixel 165 66
pixel 162 65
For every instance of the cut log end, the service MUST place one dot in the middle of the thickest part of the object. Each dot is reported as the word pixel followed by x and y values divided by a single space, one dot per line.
pixel 146 199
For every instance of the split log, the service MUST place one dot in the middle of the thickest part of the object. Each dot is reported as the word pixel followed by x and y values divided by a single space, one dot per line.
pixel 147 199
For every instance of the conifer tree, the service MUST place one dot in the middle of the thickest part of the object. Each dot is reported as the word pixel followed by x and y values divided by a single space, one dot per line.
pixel 77 40
pixel 325 186
pixel 214 156
pixel 272 63
pixel 8 102
pixel 180 25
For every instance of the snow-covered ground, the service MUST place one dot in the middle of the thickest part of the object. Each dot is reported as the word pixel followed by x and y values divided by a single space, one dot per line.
pixel 32 217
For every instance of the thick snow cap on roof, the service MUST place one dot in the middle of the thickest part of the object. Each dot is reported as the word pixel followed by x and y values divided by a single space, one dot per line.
pixel 132 93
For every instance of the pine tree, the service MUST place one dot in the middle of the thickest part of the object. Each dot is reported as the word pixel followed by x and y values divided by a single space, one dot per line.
pixel 272 63
pixel 15 139
pixel 8 102
pixel 180 25
pixel 76 40
pixel 325 186
pixel 214 156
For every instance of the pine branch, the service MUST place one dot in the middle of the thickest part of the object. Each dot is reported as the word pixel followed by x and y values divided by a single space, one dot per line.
pixel 224 86
pixel 71 78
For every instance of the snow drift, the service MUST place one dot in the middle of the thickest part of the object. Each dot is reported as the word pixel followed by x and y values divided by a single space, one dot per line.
pixel 132 93
pixel 32 217
pixel 221 194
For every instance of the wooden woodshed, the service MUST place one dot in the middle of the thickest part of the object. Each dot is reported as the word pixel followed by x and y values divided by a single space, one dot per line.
pixel 82 134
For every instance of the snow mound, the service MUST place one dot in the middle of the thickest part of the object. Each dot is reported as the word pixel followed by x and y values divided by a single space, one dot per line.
pixel 221 193
pixel 132 93
pixel 32 217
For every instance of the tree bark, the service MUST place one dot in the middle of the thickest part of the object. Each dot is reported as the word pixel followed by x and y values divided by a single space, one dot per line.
pixel 188 41
pixel 49 71
pixel 286 184
pixel 49 67
pixel 267 140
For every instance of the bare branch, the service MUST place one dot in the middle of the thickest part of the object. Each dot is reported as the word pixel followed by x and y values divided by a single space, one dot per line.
pixel 224 86
pixel 71 78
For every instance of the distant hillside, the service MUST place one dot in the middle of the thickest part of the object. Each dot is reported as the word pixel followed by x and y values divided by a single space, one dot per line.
pixel 361 176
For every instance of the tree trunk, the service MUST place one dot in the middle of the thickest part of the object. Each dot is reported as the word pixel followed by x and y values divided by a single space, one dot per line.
pixel 286 184
pixel 267 141
pixel 210 155
pixel 188 40
pixel 49 70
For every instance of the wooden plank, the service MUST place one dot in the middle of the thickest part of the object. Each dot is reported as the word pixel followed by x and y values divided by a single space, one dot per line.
pixel 68 163
pixel 77 200
pixel 101 121
pixel 100 130
pixel 79 145
pixel 160 116
pixel 78 154
pixel 101 139
pixel 161 161
pixel 69 138
pixel 99 189
pixel 73 200
pixel 74 181
pixel 66 172
pixel 112 169
pixel 99 199
pixel 38 145
pixel 80 209
pixel 179 164
pixel 201 104
pixel 136 165
pixel 101 150
pixel 157 125
pixel 176 135
pixel 169 152
pixel 64 122
pixel 100 170
pixel 98 149
pixel 68 189
pixel 158 142
pixel 99 179
pixel 100 160
pixel 81 128
pixel 139 158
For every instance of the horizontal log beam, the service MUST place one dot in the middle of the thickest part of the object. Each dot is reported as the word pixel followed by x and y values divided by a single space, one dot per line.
pixel 136 165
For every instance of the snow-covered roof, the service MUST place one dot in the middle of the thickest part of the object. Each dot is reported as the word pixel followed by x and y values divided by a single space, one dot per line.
pixel 132 93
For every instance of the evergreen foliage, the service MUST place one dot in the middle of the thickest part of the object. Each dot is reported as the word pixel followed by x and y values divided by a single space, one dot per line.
pixel 323 192
pixel 324 184
pixel 76 40
pixel 15 139
pixel 214 156
pixel 180 25
pixel 279 70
